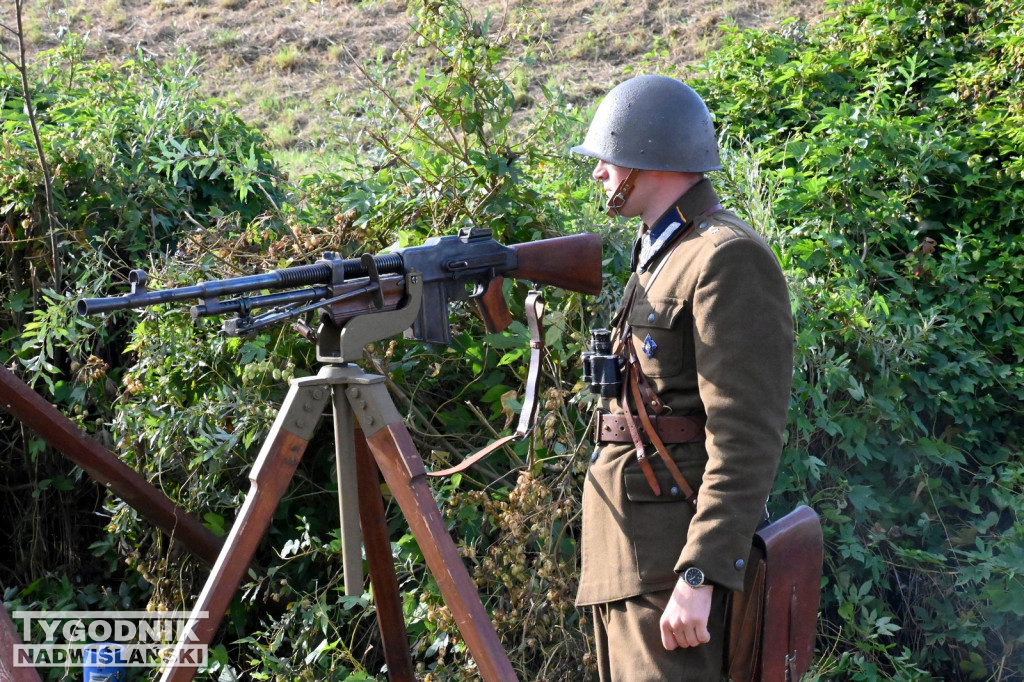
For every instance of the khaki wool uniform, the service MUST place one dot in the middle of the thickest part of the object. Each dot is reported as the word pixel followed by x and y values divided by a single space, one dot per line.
pixel 718 313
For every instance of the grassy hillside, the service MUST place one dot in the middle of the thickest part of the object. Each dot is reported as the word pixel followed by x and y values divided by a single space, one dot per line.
pixel 290 67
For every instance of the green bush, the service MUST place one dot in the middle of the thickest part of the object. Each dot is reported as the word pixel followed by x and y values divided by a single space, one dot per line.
pixel 139 163
pixel 888 131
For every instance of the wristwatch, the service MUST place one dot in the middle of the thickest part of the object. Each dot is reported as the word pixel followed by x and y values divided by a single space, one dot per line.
pixel 694 577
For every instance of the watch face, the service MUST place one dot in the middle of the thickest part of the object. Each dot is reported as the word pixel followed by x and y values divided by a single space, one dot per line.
pixel 694 577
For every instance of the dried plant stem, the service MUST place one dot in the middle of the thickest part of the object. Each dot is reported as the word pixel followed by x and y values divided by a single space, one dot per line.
pixel 21 64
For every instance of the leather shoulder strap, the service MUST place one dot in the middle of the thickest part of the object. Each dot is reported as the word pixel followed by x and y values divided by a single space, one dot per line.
pixel 633 372
pixel 535 315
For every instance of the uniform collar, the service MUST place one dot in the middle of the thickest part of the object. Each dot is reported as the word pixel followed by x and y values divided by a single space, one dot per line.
pixel 697 201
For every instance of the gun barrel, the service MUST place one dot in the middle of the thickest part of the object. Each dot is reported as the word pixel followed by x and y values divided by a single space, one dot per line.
pixel 242 306
pixel 321 272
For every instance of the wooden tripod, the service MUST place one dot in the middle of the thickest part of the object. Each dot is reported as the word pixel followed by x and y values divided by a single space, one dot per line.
pixel 355 397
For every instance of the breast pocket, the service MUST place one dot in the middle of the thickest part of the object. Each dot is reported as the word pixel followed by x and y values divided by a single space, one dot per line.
pixel 661 336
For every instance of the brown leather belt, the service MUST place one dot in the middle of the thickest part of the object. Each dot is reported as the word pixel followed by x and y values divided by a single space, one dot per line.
pixel 613 428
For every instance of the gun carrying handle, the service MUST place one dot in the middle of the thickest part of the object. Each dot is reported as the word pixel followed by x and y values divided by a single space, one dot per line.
pixel 493 307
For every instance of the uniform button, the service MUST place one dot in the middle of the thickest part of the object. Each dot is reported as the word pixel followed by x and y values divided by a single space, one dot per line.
pixel 593 457
pixel 651 318
pixel 674 491
pixel 740 563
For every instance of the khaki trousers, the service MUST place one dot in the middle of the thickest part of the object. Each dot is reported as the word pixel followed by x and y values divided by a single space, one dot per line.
pixel 627 635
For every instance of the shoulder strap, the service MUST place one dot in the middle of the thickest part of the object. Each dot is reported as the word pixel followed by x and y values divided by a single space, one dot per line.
pixel 627 301
pixel 636 383
pixel 633 381
pixel 534 315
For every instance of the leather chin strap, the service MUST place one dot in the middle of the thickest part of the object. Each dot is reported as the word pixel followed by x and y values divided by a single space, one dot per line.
pixel 528 413
pixel 618 200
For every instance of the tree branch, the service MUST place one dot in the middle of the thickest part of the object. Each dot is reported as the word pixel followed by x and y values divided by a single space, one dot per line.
pixel 51 213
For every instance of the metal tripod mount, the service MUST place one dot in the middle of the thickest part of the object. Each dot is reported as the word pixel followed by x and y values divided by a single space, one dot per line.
pixel 355 397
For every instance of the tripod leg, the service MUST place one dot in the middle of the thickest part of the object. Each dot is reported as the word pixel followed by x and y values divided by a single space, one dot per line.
pixel 273 471
pixel 102 465
pixel 382 567
pixel 396 455
pixel 9 641
pixel 348 495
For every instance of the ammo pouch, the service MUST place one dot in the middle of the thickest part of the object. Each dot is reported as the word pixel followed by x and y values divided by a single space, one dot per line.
pixel 772 623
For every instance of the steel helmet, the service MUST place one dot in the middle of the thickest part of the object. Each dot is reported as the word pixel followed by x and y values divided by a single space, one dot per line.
pixel 653 123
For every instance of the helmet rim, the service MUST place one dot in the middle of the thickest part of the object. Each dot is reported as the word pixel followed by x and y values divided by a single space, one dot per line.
pixel 653 123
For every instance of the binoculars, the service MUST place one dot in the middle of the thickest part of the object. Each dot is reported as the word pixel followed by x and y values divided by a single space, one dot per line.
pixel 602 369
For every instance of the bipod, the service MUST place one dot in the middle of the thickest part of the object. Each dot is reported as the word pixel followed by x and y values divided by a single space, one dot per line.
pixel 355 397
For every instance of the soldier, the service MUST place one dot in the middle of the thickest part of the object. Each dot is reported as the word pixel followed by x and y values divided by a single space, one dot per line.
pixel 689 441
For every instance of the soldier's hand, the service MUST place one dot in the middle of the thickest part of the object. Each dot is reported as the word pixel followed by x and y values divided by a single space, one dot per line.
pixel 685 620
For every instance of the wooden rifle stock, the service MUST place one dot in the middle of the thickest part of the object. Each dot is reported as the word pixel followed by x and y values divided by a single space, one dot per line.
pixel 494 308
pixel 572 262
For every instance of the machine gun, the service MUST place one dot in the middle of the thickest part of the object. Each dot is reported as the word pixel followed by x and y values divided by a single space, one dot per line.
pixel 466 266
pixel 360 301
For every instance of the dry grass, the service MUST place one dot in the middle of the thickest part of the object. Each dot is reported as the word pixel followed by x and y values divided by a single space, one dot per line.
pixel 280 62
